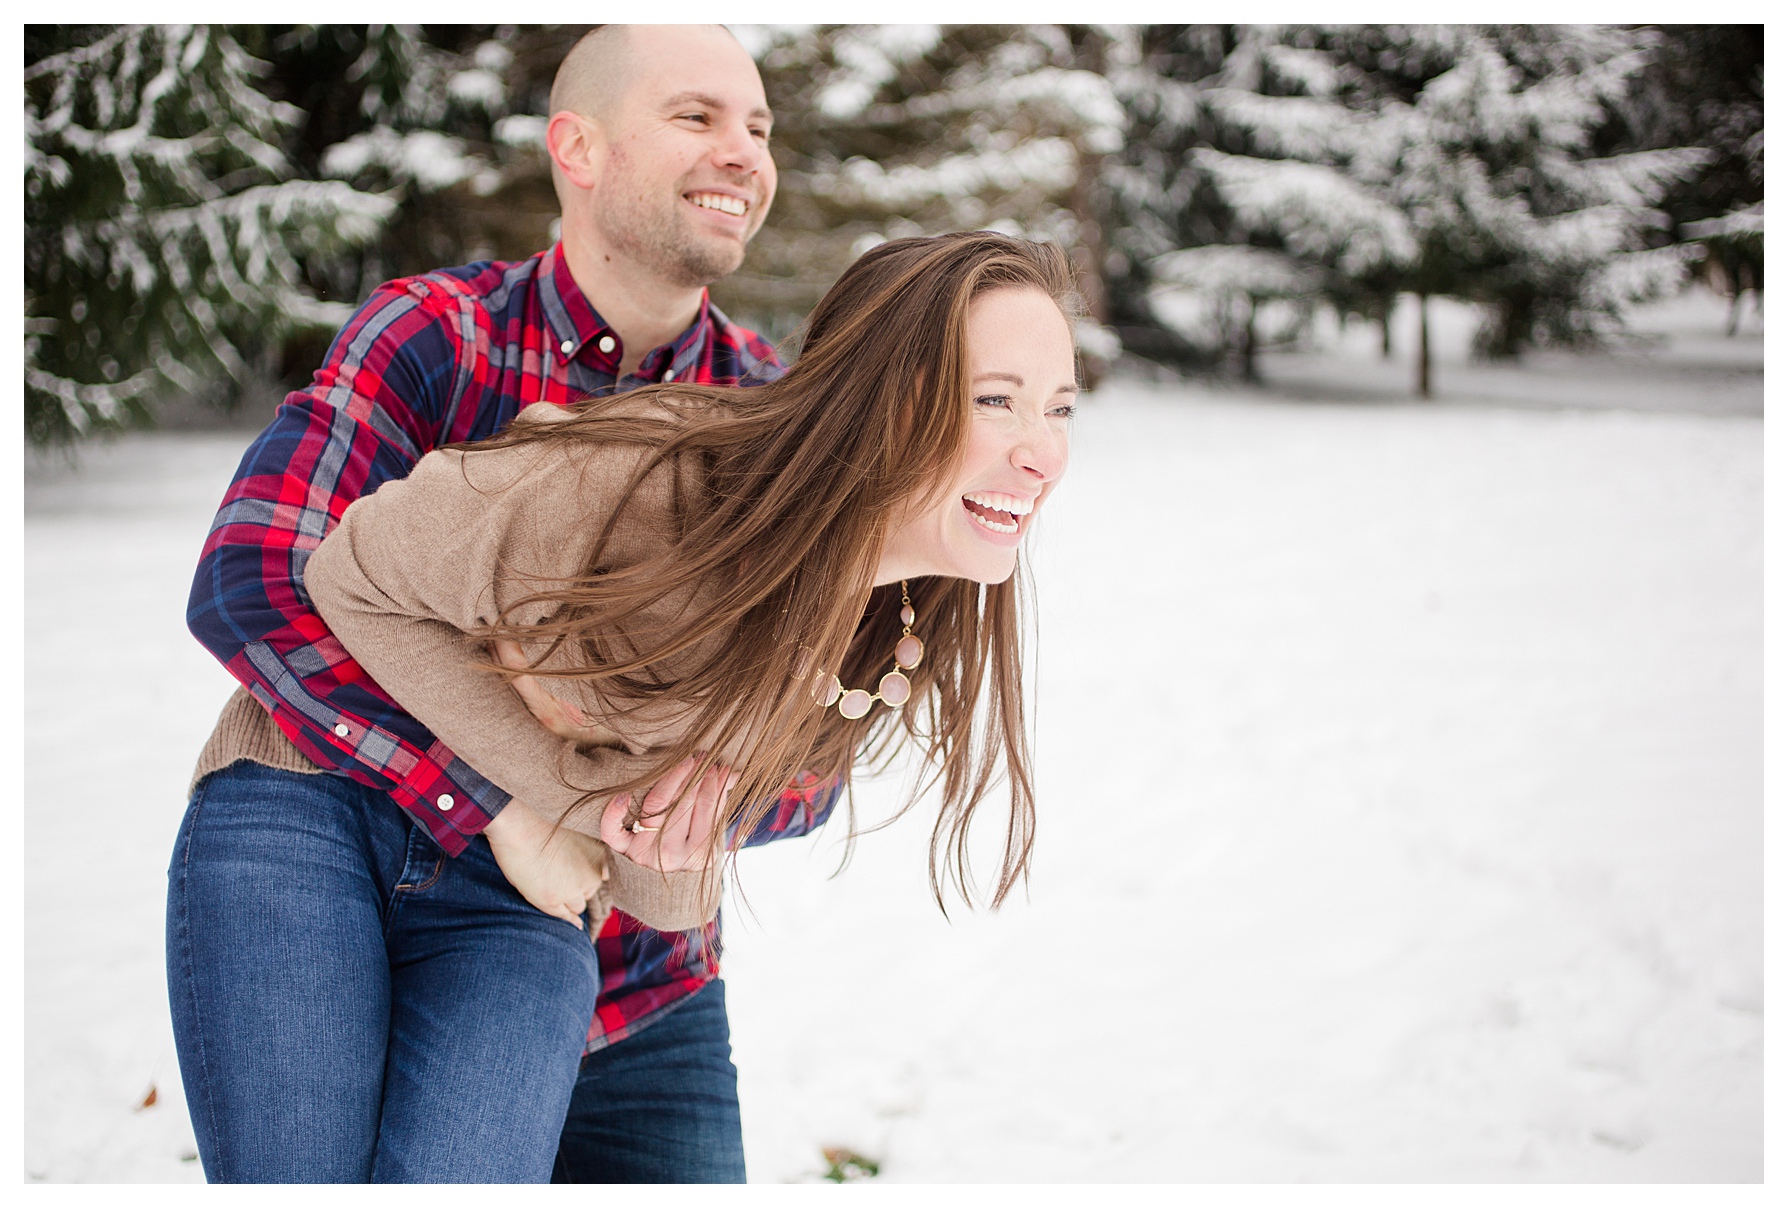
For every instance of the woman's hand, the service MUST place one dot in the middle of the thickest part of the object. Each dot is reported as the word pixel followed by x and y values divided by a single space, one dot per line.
pixel 558 870
pixel 676 821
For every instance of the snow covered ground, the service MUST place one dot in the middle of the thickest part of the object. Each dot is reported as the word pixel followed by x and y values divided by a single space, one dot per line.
pixel 1674 355
pixel 1400 772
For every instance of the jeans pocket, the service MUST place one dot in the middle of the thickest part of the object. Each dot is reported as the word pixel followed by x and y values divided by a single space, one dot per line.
pixel 424 863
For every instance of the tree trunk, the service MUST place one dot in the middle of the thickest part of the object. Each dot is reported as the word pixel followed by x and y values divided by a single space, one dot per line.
pixel 1740 281
pixel 1384 331
pixel 1249 372
pixel 1424 381
pixel 1087 255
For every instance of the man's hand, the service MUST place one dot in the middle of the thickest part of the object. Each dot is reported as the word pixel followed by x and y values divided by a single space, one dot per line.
pixel 558 870
pixel 676 821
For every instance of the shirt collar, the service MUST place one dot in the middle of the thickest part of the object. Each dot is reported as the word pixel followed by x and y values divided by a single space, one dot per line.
pixel 575 323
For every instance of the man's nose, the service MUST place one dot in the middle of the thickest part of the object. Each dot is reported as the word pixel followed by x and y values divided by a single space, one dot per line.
pixel 737 149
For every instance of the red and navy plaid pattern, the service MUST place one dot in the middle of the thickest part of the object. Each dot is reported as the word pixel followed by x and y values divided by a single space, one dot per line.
pixel 445 357
pixel 635 988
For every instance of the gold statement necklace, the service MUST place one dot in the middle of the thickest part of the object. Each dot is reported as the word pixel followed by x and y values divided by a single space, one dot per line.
pixel 893 689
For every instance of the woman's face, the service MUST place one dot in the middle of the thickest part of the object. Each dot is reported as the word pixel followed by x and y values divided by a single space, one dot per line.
pixel 1021 378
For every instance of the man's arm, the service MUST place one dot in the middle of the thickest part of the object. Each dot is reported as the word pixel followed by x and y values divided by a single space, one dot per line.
pixel 377 405
pixel 413 568
pixel 800 808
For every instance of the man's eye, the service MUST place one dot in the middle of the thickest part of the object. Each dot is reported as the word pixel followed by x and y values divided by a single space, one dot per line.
pixel 694 117
pixel 994 400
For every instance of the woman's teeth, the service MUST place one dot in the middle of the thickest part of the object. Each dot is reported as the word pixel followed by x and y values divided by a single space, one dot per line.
pixel 719 201
pixel 997 501
pixel 999 513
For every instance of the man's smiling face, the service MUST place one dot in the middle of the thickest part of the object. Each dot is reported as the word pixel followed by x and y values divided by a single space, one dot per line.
pixel 686 176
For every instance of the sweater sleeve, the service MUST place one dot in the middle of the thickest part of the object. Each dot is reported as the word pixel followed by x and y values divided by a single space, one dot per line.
pixel 415 566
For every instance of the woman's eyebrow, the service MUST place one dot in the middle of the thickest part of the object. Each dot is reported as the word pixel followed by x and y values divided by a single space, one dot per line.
pixel 1002 376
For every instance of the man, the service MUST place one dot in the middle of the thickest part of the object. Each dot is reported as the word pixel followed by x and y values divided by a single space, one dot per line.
pixel 659 147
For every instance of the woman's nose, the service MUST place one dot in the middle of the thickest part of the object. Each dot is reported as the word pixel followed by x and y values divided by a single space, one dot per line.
pixel 1043 454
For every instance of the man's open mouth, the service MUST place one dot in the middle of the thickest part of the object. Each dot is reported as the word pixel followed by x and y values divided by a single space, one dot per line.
pixel 719 201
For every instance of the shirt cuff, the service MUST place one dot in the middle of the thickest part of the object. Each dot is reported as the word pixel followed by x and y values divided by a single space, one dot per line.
pixel 453 803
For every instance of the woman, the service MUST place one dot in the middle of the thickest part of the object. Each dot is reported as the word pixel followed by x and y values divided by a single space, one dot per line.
pixel 712 591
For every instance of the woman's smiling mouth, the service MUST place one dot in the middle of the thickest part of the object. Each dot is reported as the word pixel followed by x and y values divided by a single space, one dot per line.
pixel 996 511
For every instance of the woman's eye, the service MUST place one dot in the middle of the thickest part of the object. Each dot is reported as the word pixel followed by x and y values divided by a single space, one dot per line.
pixel 1065 411
pixel 994 400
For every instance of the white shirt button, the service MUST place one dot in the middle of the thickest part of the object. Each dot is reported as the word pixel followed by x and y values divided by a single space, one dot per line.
pixel 444 801
pixel 606 343
pixel 342 731
pixel 565 346
pixel 670 375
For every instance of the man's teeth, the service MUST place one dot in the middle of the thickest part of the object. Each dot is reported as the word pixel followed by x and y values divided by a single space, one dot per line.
pixel 719 201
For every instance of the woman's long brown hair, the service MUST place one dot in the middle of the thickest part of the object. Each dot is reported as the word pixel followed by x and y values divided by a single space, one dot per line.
pixel 797 484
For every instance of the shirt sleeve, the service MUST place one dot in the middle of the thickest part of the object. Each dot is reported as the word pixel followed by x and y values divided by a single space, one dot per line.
pixel 416 566
pixel 802 806
pixel 392 380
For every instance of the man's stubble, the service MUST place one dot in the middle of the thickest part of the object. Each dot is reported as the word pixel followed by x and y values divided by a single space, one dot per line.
pixel 661 237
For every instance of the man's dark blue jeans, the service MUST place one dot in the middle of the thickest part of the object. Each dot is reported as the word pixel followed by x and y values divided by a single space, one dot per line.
pixel 350 1005
pixel 661 1106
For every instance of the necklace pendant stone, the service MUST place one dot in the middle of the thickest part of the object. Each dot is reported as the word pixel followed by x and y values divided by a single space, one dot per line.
pixel 855 703
pixel 895 688
pixel 907 652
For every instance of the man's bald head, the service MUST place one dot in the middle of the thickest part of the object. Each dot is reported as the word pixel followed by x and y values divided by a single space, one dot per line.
pixel 598 70
pixel 594 74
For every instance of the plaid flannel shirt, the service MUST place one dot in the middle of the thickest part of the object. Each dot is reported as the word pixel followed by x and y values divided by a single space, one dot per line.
pixel 430 360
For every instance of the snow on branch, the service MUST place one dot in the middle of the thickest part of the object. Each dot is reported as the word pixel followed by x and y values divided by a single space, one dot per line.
pixel 1233 269
pixel 165 233
pixel 427 158
pixel 1739 223
pixel 1296 127
pixel 1081 102
pixel 1048 162
pixel 1627 278
pixel 1317 210
pixel 1639 179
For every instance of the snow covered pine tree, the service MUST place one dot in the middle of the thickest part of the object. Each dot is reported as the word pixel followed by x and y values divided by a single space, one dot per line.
pixel 164 240
pixel 885 131
pixel 1447 160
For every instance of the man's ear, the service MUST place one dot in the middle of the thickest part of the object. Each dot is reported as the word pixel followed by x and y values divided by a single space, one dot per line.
pixel 573 142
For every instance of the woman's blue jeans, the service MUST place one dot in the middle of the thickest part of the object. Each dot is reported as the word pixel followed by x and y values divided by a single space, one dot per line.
pixel 351 1005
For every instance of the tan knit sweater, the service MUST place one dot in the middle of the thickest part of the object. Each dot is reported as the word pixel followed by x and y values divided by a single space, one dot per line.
pixel 428 557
